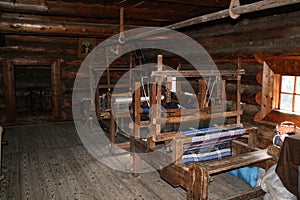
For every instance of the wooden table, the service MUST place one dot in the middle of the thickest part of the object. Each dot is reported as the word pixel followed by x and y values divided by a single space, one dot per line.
pixel 289 164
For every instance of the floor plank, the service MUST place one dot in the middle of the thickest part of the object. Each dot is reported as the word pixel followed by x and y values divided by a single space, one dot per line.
pixel 50 162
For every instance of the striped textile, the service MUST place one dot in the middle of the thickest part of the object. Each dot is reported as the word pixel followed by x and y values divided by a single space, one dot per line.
pixel 205 156
pixel 209 143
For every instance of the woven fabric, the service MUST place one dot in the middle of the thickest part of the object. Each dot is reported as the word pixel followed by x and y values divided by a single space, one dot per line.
pixel 209 144
pixel 205 156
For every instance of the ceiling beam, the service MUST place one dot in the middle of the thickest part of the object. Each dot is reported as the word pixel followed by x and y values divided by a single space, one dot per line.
pixel 97 11
pixel 210 3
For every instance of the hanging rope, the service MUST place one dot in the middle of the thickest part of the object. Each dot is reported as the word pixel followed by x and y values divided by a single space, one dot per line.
pixel 233 4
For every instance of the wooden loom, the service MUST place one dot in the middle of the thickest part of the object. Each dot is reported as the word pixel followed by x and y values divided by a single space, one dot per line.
pixel 195 176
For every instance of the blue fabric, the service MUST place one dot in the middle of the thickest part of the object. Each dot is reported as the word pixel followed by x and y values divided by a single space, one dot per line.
pixel 168 106
pixel 212 155
pixel 248 174
pixel 213 135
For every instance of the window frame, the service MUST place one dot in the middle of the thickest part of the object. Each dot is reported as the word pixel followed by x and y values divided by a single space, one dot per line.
pixel 294 93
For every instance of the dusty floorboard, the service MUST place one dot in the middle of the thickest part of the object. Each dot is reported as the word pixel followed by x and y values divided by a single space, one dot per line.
pixel 50 162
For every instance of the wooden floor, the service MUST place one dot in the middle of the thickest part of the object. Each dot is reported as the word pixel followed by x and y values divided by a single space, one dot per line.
pixel 50 162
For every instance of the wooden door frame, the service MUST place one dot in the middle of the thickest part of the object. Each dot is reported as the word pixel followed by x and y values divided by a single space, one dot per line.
pixel 9 83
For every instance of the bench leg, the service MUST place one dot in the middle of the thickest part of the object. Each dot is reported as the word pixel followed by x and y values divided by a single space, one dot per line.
pixel 198 183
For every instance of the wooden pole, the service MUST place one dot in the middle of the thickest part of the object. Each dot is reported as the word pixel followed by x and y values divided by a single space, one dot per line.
pixel 10 95
pixel 55 87
pixel 256 6
pixel 238 94
pixel 137 124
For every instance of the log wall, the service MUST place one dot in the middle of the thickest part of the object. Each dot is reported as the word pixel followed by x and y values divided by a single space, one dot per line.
pixel 32 33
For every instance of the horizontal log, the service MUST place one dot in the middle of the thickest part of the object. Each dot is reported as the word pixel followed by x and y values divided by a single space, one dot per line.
pixel 281 64
pixel 279 21
pixel 19 50
pixel 278 117
pixel 57 28
pixel 244 98
pixel 271 46
pixel 258 97
pixel 200 116
pixel 97 11
pixel 73 74
pixel 248 95
pixel 33 84
pixel 202 73
pixel 33 61
pixel 14 40
pixel 140 22
pixel 259 77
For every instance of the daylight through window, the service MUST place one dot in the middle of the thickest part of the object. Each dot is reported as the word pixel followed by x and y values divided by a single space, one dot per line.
pixel 290 93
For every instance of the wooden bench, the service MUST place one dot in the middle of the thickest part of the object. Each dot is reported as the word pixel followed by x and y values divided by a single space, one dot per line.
pixel 195 177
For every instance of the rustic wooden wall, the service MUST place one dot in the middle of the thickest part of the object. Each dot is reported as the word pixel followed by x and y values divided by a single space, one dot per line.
pixel 36 33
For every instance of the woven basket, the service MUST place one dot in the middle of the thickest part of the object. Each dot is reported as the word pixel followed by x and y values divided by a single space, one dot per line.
pixel 287 128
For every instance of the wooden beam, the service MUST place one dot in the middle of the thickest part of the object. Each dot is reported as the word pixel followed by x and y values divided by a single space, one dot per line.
pixel 222 3
pixel 194 73
pixel 30 60
pixel 10 95
pixel 260 25
pixel 99 20
pixel 57 28
pixel 77 9
pixel 243 9
pixel 281 64
pixel 199 116
pixel 56 90
pixel 9 50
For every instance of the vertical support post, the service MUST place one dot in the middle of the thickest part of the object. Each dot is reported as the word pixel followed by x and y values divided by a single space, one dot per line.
pixel 91 106
pixel 151 143
pixel 202 93
pixel 112 128
pixel 199 182
pixel 55 86
pixel 223 96
pixel 252 141
pixel 137 124
pixel 97 104
pixel 177 146
pixel 10 94
pixel 168 88
pixel 238 94
pixel 158 95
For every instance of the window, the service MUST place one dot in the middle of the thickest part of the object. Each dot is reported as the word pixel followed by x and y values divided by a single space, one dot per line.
pixel 290 93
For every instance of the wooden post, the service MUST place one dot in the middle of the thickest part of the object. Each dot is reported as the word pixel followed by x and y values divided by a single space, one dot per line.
pixel 55 87
pixel 112 128
pixel 137 124
pixel 158 95
pixel 151 143
pixel 238 94
pixel 223 97
pixel 202 93
pixel 10 95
